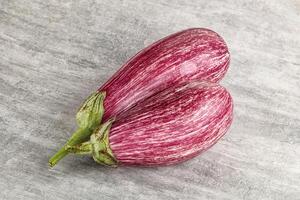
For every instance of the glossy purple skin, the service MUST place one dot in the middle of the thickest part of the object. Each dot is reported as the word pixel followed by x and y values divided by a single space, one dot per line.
pixel 193 54
pixel 173 125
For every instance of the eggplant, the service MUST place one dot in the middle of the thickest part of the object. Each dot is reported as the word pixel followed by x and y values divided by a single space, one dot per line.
pixel 192 54
pixel 170 127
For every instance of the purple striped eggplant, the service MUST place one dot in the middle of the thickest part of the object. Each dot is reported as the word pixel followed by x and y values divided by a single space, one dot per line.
pixel 169 127
pixel 193 54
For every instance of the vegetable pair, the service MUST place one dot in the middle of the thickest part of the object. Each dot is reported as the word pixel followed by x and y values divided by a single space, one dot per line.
pixel 162 107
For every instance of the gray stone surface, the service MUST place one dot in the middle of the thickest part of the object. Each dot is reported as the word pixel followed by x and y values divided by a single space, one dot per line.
pixel 54 53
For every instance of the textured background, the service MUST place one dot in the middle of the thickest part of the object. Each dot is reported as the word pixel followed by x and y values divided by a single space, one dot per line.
pixel 54 53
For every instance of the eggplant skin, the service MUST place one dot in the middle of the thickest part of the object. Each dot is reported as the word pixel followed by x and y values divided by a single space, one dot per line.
pixel 173 125
pixel 192 54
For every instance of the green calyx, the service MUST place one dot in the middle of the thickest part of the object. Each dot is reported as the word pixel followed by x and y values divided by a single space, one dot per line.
pixel 98 146
pixel 91 138
pixel 90 113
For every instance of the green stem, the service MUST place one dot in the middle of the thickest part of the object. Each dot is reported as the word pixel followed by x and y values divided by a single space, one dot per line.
pixel 78 137
pixel 84 148
pixel 88 118
pixel 58 156
pixel 98 146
